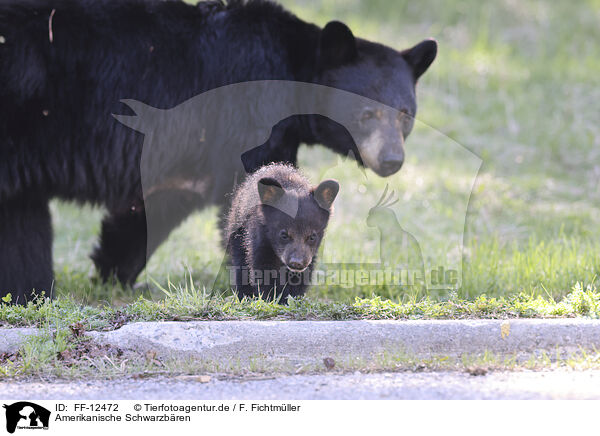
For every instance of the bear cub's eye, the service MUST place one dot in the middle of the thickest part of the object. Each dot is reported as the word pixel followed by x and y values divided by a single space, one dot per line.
pixel 284 235
pixel 312 237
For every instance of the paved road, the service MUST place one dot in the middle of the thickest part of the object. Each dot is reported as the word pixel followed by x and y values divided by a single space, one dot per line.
pixel 439 385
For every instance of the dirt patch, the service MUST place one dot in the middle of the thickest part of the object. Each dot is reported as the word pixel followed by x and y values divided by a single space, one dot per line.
pixel 8 357
pixel 118 320
pixel 81 347
pixel 87 349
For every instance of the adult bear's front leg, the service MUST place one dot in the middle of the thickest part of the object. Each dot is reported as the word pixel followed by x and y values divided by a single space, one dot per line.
pixel 25 248
pixel 128 239
pixel 122 250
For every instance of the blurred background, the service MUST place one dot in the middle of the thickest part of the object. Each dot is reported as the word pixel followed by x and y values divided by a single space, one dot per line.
pixel 517 83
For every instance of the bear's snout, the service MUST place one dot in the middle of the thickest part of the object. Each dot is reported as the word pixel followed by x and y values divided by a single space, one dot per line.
pixel 390 163
pixel 297 261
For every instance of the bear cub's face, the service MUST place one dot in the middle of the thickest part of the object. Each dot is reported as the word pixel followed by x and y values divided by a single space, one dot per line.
pixel 294 223
pixel 385 76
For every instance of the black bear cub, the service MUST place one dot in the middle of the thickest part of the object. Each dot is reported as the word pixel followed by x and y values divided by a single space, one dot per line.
pixel 273 232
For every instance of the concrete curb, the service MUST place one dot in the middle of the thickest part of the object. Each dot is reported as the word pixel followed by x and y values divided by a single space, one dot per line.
pixel 306 342
pixel 311 341
pixel 11 339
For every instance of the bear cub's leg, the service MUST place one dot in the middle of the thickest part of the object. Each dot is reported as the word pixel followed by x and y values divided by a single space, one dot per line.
pixel 25 248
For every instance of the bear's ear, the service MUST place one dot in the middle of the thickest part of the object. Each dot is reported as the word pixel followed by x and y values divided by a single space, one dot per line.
pixel 421 56
pixel 326 192
pixel 337 46
pixel 269 190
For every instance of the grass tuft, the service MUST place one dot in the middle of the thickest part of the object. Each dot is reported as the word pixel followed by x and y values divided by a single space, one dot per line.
pixel 187 304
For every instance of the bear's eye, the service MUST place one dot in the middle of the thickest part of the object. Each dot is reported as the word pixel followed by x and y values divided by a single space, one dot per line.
pixel 312 237
pixel 367 115
pixel 284 235
pixel 405 119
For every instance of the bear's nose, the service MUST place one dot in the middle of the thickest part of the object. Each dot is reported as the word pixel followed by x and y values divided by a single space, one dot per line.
pixel 391 163
pixel 296 264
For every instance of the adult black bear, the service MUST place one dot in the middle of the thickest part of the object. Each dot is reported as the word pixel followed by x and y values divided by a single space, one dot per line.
pixel 274 229
pixel 66 64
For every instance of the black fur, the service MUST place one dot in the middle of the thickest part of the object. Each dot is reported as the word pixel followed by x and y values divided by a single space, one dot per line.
pixel 66 64
pixel 273 231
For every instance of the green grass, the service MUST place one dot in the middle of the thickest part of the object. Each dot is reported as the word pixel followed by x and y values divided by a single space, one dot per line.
pixel 516 83
pixel 188 303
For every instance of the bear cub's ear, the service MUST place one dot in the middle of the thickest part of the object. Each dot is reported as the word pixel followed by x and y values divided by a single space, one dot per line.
pixel 326 192
pixel 337 46
pixel 269 190
pixel 421 56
